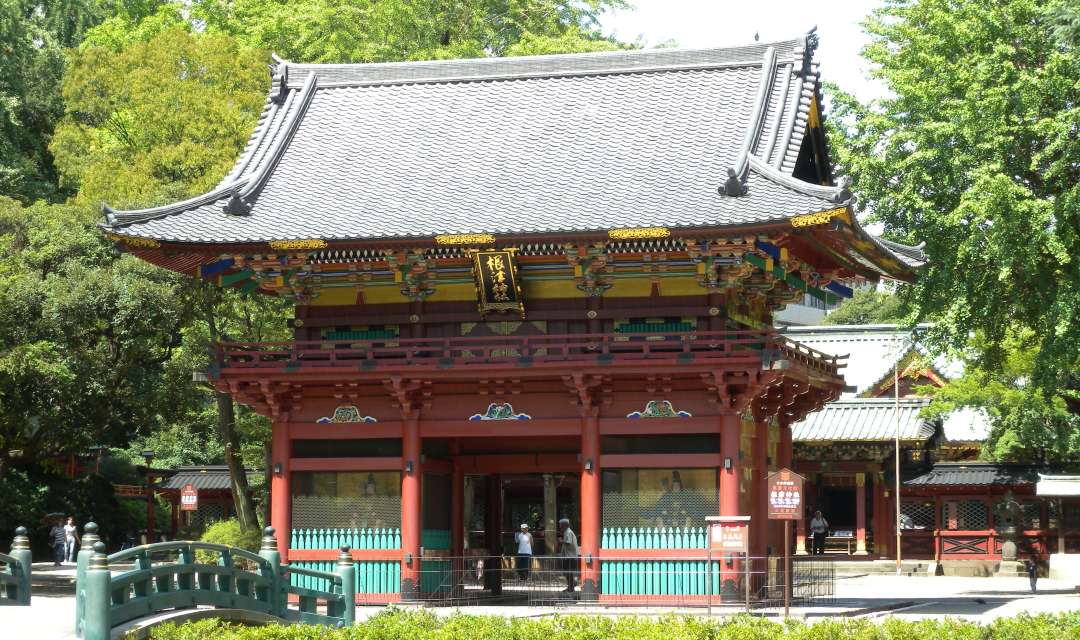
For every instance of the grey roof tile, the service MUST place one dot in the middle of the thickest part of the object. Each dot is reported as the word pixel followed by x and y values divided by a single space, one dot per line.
pixel 976 474
pixel 865 419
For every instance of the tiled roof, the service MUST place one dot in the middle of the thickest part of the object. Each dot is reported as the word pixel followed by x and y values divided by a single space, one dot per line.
pixel 976 474
pixel 540 144
pixel 865 419
pixel 202 478
pixel 871 350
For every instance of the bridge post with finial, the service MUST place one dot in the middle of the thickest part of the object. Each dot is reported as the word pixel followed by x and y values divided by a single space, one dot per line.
pixel 96 592
pixel 20 551
pixel 268 550
pixel 347 571
pixel 82 562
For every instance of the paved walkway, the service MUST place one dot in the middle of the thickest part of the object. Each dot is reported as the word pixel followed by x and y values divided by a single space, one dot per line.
pixel 51 616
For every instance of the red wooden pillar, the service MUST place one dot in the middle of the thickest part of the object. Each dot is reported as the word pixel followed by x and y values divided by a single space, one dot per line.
pixel 860 514
pixel 280 491
pixel 729 473
pixel 590 504
pixel 759 523
pixel 877 520
pixel 411 474
pixel 728 486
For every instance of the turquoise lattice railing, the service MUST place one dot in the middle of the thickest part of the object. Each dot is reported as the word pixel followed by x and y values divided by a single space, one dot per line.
pixel 660 577
pixel 656 577
pixel 653 538
pixel 15 571
pixel 304 539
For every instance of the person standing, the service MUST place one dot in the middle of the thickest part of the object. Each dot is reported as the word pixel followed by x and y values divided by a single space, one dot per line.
pixel 524 541
pixel 1033 572
pixel 819 528
pixel 568 549
pixel 58 538
pixel 71 540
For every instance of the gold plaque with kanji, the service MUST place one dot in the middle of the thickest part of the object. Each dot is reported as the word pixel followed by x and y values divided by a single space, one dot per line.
pixel 496 281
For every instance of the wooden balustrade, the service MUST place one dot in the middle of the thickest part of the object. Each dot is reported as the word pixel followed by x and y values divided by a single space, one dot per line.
pixel 762 347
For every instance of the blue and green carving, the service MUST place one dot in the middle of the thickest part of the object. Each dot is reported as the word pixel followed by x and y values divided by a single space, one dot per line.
pixel 500 411
pixel 347 413
pixel 659 409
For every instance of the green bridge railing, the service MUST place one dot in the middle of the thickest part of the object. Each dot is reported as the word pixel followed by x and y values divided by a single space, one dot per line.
pixel 15 574
pixel 180 575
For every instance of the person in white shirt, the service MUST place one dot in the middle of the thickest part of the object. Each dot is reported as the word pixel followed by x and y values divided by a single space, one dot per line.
pixel 568 549
pixel 524 541
pixel 71 540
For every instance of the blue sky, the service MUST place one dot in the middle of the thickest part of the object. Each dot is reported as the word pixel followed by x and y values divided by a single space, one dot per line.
pixel 712 23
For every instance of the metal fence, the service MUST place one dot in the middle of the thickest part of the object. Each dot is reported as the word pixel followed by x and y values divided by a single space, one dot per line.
pixel 731 583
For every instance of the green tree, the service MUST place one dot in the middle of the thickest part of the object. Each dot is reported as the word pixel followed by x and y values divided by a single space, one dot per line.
pixel 84 333
pixel 975 153
pixel 867 306
pixel 379 31
pixel 1026 424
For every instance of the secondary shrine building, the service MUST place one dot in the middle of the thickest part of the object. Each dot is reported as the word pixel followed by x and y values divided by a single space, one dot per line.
pixel 526 289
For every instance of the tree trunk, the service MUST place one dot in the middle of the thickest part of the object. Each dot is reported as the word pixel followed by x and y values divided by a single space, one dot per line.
pixel 226 423
pixel 245 506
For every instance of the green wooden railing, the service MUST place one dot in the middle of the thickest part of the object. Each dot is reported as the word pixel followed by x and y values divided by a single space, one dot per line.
pixel 15 574
pixel 653 538
pixel 372 576
pixel 368 538
pixel 675 577
pixel 179 575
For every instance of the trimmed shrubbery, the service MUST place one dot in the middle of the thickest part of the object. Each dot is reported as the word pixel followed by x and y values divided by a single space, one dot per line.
pixel 401 625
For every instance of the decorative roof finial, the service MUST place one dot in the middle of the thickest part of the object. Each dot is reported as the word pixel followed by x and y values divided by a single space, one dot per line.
pixel 280 72
pixel 236 206
pixel 844 194
pixel 733 186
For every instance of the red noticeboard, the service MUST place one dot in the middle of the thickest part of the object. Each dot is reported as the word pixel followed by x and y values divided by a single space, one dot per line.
pixel 785 489
pixel 729 534
pixel 189 498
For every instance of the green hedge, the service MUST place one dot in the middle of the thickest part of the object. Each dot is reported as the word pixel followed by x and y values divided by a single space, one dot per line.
pixel 399 625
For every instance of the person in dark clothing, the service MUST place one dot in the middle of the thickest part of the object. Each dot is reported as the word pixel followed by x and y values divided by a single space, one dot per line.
pixel 1033 572
pixel 58 537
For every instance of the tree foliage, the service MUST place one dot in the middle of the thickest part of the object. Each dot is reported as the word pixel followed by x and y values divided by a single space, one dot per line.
pixel 867 306
pixel 975 153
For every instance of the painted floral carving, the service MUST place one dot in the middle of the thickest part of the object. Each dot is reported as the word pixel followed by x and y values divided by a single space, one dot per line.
pixel 500 411
pixel 346 413
pixel 659 409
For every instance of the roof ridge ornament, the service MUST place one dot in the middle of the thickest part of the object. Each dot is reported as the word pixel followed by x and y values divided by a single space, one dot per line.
pixel 844 190
pixel 237 206
pixel 280 74
pixel 734 185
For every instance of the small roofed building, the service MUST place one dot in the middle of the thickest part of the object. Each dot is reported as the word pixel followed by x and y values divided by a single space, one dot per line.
pixel 214 500
pixel 848 451
pixel 526 289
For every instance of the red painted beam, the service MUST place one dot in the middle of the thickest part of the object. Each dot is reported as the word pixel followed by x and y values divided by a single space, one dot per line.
pixel 520 463
pixel 611 555
pixel 345 464
pixel 659 426
pixel 500 428
pixel 661 460
pixel 343 431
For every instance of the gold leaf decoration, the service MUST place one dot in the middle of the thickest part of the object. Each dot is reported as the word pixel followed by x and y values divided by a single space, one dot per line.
pixel 291 245
pixel 814 219
pixel 142 243
pixel 465 238
pixel 639 233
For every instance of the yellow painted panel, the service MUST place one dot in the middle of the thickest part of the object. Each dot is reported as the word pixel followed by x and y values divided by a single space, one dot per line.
pixel 631 288
pixel 550 289
pixel 383 295
pixel 335 296
pixel 455 292
pixel 681 286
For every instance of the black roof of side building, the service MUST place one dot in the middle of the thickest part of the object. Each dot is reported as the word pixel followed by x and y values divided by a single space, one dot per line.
pixel 703 138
